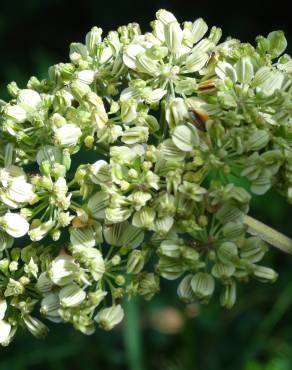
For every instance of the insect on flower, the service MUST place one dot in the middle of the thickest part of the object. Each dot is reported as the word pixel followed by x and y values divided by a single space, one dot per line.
pixel 199 118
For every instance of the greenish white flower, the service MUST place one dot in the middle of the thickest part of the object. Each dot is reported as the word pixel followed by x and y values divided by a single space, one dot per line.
pixel 264 274
pixel 166 120
pixel 50 306
pixel 203 285
pixel 5 329
pixel 135 262
pixel 14 224
pixel 134 135
pixel 144 218
pixel 100 172
pixel 6 241
pixel 110 317
pixel 41 230
pixel 71 295
pixel 228 296
pixel 227 252
pixel 185 291
pixel 185 137
pixel 63 270
pixel 97 204
pixel 28 99
pixel 35 326
pixel 3 308
pixel 68 135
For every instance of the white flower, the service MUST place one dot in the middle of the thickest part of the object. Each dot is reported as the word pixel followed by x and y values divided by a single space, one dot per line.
pixel 86 76
pixel 173 36
pixel 15 112
pixel 14 224
pixel 20 191
pixel 5 329
pixel 131 53
pixel 11 173
pixel 99 172
pixel 3 308
pixel 110 317
pixel 71 296
pixel 63 270
pixel 50 307
pixel 39 232
pixel 68 135
pixel 28 99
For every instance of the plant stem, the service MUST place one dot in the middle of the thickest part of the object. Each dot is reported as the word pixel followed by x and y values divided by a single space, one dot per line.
pixel 269 235
pixel 132 337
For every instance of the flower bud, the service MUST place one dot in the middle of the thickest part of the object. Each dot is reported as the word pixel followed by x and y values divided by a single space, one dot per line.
pixel 13 89
pixel 148 285
pixel 190 254
pixel 203 285
pixel 277 43
pixel 264 274
pixel 4 266
pixel 227 252
pixel 14 288
pixel 135 262
pixel 35 326
pixel 92 39
pixel 96 297
pixel 120 280
pixel 228 296
pixel 170 248
pixel 233 230
pixel 223 270
pixel 109 317
pixel 185 291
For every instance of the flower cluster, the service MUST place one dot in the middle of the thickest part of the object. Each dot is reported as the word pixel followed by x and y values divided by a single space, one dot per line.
pixel 120 169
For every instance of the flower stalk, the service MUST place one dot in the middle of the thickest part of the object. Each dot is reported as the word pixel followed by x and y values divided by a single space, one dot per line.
pixel 268 234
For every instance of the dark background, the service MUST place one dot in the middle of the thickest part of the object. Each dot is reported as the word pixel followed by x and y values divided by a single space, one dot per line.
pixel 257 333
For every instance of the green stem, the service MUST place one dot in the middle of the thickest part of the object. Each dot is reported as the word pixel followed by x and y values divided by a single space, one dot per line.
pixel 132 335
pixel 269 235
